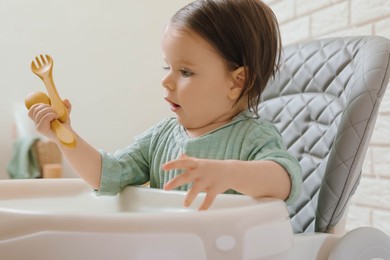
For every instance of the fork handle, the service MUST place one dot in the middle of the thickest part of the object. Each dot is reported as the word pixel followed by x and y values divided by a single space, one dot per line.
pixel 63 134
pixel 55 99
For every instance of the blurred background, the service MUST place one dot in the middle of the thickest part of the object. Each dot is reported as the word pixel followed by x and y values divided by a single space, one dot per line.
pixel 108 64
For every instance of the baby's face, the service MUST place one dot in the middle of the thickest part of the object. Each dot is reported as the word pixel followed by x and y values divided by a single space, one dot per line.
pixel 198 82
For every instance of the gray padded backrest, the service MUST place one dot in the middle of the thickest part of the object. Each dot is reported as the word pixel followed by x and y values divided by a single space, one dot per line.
pixel 325 101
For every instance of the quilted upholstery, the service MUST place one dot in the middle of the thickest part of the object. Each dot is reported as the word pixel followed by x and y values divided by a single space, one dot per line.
pixel 325 101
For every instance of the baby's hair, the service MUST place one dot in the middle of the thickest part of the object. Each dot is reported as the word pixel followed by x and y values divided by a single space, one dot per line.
pixel 244 32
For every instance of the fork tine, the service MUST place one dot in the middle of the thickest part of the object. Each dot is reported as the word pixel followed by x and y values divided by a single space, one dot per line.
pixel 38 62
pixel 42 59
pixel 48 58
pixel 33 65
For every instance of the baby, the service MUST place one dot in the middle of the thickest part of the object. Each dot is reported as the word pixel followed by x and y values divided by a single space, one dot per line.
pixel 220 55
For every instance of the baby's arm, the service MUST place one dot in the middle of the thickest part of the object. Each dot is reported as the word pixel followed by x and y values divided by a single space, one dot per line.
pixel 261 178
pixel 85 159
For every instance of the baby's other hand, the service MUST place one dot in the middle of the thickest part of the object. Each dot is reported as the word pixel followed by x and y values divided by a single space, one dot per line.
pixel 206 175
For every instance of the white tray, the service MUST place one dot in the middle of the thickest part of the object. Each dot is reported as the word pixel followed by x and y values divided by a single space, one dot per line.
pixel 64 219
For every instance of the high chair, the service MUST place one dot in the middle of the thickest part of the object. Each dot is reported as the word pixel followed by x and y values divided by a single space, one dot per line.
pixel 324 101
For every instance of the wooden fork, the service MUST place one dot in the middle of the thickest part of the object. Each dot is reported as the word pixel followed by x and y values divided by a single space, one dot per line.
pixel 42 66
pixel 63 134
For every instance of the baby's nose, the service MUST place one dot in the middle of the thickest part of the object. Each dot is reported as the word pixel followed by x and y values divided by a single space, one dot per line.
pixel 168 83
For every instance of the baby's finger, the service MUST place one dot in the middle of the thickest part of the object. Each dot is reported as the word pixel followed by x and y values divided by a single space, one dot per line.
pixel 210 197
pixel 192 193
pixel 44 112
pixel 34 109
pixel 178 181
pixel 68 105
pixel 39 110
pixel 43 125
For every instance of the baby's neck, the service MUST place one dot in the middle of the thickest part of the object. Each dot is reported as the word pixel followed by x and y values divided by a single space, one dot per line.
pixel 197 132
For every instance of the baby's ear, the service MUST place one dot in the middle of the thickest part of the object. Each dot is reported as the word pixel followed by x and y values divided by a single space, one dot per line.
pixel 239 76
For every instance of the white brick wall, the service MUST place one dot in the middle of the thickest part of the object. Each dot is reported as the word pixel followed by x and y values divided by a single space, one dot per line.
pixel 363 11
pixel 302 20
pixel 329 19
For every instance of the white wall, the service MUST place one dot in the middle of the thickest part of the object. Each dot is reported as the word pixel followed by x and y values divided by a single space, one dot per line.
pixel 107 62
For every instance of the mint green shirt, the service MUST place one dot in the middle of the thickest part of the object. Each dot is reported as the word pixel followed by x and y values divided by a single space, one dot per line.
pixel 244 138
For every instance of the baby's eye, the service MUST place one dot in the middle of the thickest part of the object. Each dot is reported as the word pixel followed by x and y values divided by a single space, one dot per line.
pixel 186 73
pixel 166 68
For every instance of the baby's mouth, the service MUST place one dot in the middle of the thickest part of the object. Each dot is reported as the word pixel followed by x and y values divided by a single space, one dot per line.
pixel 173 106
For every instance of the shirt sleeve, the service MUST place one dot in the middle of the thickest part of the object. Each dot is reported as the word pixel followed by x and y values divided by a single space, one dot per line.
pixel 127 166
pixel 267 144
